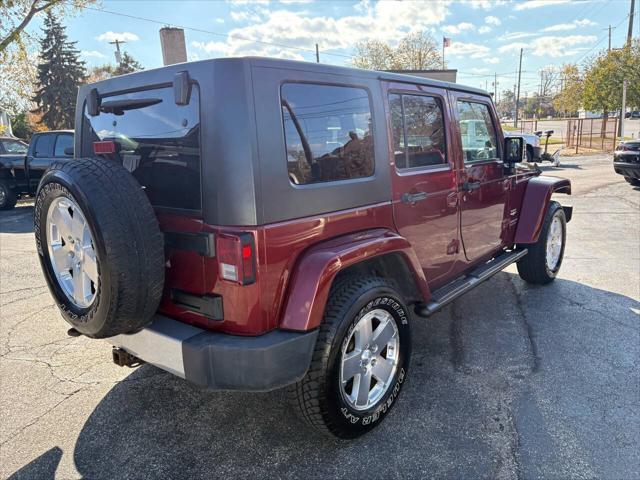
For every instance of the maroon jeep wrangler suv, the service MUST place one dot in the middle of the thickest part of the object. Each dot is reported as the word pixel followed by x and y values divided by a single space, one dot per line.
pixel 252 224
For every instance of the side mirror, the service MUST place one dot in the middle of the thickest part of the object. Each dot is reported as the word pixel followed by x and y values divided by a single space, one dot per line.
pixel 68 151
pixel 514 148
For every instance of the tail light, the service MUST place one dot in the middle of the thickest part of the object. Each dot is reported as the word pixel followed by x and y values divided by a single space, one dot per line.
pixel 236 256
pixel 107 147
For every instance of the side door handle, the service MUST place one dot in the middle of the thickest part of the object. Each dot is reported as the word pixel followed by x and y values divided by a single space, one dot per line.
pixel 470 186
pixel 412 198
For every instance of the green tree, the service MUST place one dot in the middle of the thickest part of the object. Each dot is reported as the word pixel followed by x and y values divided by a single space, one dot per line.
pixel 416 51
pixel 506 104
pixel 128 64
pixel 60 71
pixel 21 126
pixel 604 78
pixel 569 100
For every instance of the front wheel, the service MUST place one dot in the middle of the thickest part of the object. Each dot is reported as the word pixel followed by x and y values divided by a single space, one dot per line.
pixel 360 360
pixel 542 263
pixel 633 181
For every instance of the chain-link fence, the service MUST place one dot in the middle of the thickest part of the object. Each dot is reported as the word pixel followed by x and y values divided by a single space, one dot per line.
pixel 594 133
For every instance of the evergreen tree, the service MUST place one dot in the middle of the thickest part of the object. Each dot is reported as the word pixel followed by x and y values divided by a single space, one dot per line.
pixel 60 71
pixel 128 64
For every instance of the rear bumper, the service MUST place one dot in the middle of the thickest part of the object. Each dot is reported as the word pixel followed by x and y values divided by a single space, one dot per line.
pixel 628 169
pixel 220 361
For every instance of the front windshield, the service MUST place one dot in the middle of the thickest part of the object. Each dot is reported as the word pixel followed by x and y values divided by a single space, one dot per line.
pixel 15 146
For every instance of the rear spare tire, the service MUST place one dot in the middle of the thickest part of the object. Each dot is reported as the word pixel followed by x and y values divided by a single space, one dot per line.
pixel 100 247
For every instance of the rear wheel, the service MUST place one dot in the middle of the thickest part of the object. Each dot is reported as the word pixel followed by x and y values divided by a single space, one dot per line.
pixel 8 197
pixel 360 361
pixel 100 247
pixel 542 263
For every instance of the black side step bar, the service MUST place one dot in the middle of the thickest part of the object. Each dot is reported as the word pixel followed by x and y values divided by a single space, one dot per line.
pixel 447 294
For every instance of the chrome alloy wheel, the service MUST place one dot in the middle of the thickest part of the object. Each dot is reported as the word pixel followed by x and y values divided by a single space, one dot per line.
pixel 554 243
pixel 71 252
pixel 369 359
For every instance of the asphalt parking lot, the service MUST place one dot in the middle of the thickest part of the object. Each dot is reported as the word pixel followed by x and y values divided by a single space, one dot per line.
pixel 511 381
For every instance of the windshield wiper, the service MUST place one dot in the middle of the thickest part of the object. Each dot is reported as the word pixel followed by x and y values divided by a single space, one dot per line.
pixel 118 107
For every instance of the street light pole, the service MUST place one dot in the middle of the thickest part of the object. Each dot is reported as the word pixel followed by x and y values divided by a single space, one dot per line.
pixel 624 107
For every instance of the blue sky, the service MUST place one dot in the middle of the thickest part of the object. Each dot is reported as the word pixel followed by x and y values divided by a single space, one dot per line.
pixel 486 34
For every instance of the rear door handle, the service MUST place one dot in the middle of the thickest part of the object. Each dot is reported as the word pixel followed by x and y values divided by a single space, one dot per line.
pixel 470 186
pixel 412 198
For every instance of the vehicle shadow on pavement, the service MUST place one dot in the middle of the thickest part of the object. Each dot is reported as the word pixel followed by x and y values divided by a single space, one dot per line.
pixel 44 467
pixel 17 220
pixel 502 385
pixel 563 166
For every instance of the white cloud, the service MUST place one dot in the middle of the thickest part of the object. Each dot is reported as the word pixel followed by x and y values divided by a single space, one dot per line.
pixel 484 29
pixel 492 60
pixel 385 21
pixel 472 50
pixel 455 29
pixel 92 53
pixel 220 20
pixel 585 22
pixel 529 4
pixel 484 4
pixel 491 20
pixel 512 46
pixel 560 46
pixel 247 2
pixel 479 70
pixel 561 27
pixel 516 36
pixel 113 36
pixel 551 46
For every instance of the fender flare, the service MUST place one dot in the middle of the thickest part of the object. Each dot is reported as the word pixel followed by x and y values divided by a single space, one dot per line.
pixel 315 271
pixel 535 203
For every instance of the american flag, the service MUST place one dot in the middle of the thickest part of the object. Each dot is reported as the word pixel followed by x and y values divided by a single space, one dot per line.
pixel 446 41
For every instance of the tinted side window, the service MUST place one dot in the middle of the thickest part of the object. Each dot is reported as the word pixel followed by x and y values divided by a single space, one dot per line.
pixel 327 132
pixel 63 142
pixel 479 141
pixel 44 146
pixel 423 128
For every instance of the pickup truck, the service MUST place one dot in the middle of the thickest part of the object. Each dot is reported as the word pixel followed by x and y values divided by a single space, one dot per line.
pixel 22 165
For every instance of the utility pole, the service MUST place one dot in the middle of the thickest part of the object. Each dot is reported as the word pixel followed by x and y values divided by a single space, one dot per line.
pixel 317 54
pixel 630 31
pixel 515 120
pixel 609 38
pixel 117 43
pixel 495 87
pixel 624 107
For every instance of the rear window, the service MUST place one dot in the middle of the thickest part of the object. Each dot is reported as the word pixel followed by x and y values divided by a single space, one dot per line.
pixel 159 142
pixel 63 142
pixel 327 131
pixel 14 146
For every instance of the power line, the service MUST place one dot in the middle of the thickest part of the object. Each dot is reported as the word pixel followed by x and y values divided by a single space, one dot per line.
pixel 601 40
